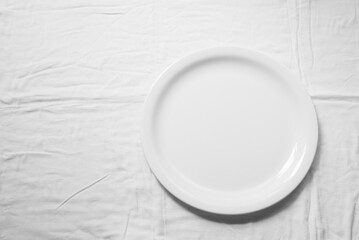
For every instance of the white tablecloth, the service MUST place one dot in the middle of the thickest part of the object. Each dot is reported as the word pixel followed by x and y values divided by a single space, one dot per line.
pixel 73 79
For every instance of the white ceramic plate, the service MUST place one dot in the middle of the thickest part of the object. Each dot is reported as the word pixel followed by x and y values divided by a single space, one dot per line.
pixel 229 130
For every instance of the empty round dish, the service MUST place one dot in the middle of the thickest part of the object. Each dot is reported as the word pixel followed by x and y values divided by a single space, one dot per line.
pixel 229 130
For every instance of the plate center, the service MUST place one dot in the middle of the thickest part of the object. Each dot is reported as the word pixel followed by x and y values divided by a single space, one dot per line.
pixel 226 124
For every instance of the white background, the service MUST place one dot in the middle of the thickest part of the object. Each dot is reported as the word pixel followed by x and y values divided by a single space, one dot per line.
pixel 73 79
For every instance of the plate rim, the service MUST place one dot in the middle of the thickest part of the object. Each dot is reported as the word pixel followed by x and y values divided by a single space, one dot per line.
pixel 181 193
